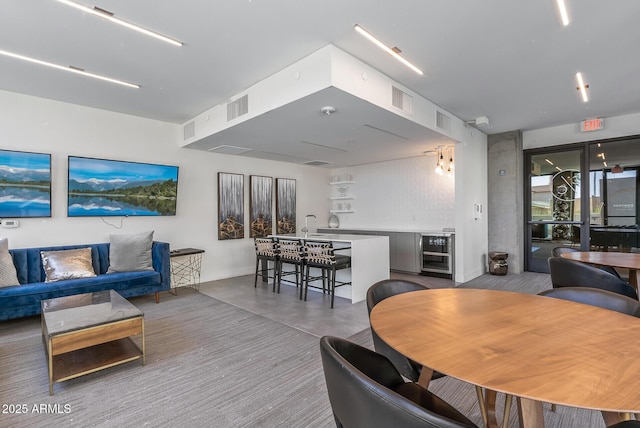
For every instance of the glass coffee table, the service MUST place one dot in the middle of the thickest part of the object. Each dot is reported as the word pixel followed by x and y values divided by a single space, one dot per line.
pixel 88 332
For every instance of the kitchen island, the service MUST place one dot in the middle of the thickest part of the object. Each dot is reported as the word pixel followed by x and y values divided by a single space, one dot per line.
pixel 369 260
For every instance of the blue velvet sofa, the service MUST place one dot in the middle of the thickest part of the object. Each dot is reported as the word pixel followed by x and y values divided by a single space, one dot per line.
pixel 24 299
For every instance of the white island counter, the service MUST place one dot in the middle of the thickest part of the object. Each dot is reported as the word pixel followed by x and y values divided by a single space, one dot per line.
pixel 369 261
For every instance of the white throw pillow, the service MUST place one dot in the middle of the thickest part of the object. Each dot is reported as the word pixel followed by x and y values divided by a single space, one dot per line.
pixel 8 275
pixel 130 253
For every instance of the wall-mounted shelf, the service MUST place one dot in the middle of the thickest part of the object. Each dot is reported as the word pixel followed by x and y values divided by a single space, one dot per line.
pixel 337 183
pixel 341 198
pixel 341 211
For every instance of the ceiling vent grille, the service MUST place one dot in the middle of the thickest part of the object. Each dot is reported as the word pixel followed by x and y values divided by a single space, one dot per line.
pixel 229 150
pixel 401 100
pixel 237 108
pixel 316 163
pixel 189 131
pixel 443 122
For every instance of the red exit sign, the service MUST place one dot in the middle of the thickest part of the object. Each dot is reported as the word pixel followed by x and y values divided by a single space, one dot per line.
pixel 591 125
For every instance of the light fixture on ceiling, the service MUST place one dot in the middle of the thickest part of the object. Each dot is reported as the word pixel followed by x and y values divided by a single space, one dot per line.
pixel 394 52
pixel 451 165
pixel 440 163
pixel 328 110
pixel 564 15
pixel 548 161
pixel 617 169
pixel 582 87
pixel 111 17
pixel 69 68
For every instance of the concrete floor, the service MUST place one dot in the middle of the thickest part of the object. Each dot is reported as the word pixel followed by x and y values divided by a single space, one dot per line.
pixel 314 316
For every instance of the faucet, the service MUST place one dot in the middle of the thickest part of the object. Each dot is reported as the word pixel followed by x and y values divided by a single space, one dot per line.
pixel 305 229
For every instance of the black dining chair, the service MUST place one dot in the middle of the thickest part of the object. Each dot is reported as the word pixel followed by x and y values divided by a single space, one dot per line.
pixel 596 297
pixel 366 391
pixel 322 255
pixel 558 251
pixel 626 424
pixel 378 292
pixel 570 273
pixel 386 288
pixel 266 251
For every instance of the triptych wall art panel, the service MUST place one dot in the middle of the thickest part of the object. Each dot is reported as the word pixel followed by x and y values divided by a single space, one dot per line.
pixel 100 187
pixel 25 184
pixel 230 206
pixel 286 205
pixel 261 206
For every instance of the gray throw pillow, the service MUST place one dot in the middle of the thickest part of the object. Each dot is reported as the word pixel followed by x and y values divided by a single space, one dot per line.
pixel 8 274
pixel 130 253
pixel 67 264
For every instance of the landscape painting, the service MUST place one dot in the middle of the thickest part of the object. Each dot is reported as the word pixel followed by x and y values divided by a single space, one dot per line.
pixel 230 206
pixel 101 187
pixel 286 205
pixel 25 184
pixel 261 206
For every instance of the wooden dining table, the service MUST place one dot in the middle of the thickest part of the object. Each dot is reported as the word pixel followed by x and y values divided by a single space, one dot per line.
pixel 539 349
pixel 614 259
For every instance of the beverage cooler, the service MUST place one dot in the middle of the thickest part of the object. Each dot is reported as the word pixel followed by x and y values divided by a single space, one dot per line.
pixel 438 254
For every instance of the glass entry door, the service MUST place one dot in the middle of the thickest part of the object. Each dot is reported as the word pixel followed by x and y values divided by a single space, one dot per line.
pixel 554 211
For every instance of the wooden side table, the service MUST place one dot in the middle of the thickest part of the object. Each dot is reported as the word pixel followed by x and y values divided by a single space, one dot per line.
pixel 185 268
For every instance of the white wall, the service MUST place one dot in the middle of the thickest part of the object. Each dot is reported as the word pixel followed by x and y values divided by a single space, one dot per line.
pixel 61 129
pixel 471 188
pixel 403 194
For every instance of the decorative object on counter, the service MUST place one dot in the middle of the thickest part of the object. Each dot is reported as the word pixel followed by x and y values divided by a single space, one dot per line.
pixel 334 222
pixel 260 206
pixel 285 205
pixel 230 206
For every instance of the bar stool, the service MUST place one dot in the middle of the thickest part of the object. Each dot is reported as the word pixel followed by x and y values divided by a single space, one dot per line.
pixel 322 255
pixel 266 251
pixel 291 251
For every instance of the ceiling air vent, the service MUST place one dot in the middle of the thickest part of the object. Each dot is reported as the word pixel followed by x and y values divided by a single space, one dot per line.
pixel 189 130
pixel 401 100
pixel 316 163
pixel 229 150
pixel 443 122
pixel 237 108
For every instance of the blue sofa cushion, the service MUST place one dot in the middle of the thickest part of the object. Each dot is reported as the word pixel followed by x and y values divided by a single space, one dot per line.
pixel 31 294
pixel 25 299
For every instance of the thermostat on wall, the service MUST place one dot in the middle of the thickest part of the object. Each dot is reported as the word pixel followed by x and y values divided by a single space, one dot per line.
pixel 10 224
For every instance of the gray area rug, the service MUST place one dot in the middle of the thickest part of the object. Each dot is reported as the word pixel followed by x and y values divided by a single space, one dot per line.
pixel 209 364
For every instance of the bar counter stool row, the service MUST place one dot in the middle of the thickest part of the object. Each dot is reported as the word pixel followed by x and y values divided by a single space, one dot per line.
pixel 302 255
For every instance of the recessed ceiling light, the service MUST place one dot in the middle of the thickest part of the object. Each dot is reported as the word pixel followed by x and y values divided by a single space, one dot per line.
pixel 394 52
pixel 69 68
pixel 111 17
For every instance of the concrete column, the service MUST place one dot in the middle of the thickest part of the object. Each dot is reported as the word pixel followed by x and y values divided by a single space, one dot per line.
pixel 505 199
